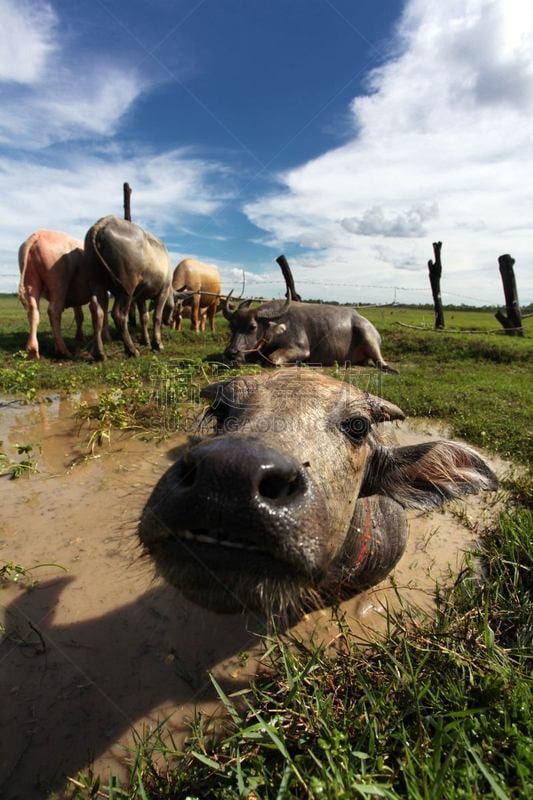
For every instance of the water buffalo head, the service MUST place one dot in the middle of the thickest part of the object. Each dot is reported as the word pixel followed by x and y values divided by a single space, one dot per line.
pixel 252 329
pixel 268 513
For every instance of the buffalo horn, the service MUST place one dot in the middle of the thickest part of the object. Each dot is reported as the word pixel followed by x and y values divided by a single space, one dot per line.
pixel 183 295
pixel 272 313
pixel 227 310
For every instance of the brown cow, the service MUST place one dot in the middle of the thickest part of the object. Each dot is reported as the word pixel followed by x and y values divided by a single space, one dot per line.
pixel 192 275
pixel 52 264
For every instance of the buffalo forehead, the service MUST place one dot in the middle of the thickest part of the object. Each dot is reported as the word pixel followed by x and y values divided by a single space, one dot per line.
pixel 290 406
pixel 293 389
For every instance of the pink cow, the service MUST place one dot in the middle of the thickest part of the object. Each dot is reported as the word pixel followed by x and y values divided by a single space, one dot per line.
pixel 53 265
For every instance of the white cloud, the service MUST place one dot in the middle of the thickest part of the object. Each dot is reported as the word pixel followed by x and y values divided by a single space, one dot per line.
pixel 28 40
pixel 47 94
pixel 407 224
pixel 169 190
pixel 69 109
pixel 447 127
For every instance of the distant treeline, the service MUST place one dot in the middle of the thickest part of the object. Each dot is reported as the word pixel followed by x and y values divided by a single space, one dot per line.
pixel 421 306
pixel 416 306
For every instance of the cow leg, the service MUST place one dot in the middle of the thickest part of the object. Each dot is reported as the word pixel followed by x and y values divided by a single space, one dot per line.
pixel 158 319
pixel 120 316
pixel 144 316
pixel 195 313
pixel 98 307
pixel 374 353
pixel 33 295
pixel 203 318
pixel 55 310
pixel 78 316
pixel 289 355
pixel 211 313
pixel 106 333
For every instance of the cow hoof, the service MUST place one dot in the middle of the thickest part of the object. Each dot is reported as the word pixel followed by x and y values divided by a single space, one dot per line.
pixel 157 346
pixel 390 370
pixel 132 353
pixel 99 356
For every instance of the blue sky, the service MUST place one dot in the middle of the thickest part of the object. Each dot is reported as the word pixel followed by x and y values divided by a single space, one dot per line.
pixel 348 134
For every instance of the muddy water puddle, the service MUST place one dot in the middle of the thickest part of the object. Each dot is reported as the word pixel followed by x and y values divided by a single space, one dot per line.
pixel 98 648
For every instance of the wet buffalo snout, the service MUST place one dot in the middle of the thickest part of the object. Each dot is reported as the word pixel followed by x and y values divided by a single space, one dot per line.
pixel 240 472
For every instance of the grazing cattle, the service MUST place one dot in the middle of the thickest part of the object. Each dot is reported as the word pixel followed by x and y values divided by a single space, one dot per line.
pixel 134 266
pixel 287 333
pixel 52 265
pixel 194 276
pixel 298 500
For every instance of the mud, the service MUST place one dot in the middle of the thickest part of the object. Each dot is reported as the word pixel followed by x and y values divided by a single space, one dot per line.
pixel 96 651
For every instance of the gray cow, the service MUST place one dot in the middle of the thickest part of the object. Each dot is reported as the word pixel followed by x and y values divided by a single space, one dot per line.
pixel 135 267
pixel 287 333
pixel 298 501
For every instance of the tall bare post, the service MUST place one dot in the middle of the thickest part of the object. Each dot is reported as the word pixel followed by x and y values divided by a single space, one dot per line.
pixel 132 319
pixel 513 321
pixel 127 202
pixel 435 272
pixel 289 280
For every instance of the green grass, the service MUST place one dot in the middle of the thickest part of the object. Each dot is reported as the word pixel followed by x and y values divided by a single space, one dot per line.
pixel 479 383
pixel 440 707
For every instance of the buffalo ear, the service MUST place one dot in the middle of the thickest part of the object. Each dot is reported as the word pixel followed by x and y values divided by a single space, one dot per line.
pixel 426 475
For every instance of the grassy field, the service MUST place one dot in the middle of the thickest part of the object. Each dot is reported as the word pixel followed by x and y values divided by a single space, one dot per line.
pixel 480 383
pixel 440 708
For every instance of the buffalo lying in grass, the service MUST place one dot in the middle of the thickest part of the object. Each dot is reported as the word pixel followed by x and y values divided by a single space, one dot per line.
pixel 313 333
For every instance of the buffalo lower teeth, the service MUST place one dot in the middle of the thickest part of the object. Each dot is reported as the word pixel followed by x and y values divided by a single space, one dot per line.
pixel 205 539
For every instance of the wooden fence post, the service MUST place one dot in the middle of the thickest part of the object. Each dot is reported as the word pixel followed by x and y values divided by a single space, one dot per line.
pixel 132 319
pixel 435 272
pixel 127 202
pixel 513 321
pixel 289 280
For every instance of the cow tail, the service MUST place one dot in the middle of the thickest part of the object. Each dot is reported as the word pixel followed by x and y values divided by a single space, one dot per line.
pixel 24 253
pixel 95 230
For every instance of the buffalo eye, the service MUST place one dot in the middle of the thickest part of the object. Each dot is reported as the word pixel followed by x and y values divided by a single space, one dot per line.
pixel 355 428
pixel 252 326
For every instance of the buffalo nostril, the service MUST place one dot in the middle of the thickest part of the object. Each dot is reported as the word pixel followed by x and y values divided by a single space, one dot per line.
pixel 279 486
pixel 187 472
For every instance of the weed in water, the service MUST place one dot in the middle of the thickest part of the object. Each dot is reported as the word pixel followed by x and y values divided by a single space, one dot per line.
pixel 18 469
pixel 16 573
